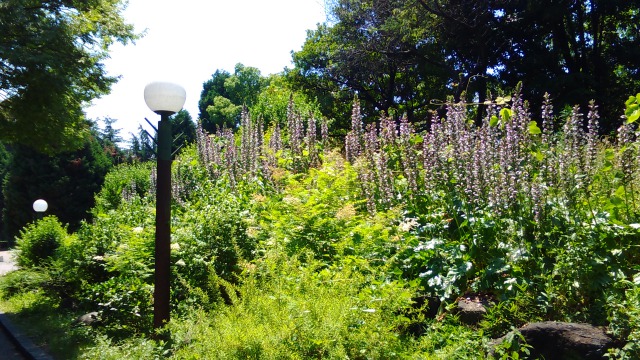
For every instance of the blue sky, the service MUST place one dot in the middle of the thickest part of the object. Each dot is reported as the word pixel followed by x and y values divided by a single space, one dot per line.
pixel 187 40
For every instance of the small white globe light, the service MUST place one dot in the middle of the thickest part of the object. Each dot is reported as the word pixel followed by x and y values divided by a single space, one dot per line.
pixel 164 97
pixel 40 206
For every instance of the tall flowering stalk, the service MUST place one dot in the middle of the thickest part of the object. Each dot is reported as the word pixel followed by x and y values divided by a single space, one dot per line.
pixel 626 159
pixel 408 156
pixel 593 129
pixel 354 139
pixel 382 159
pixel 295 127
pixel 246 156
pixel 507 166
pixel 310 139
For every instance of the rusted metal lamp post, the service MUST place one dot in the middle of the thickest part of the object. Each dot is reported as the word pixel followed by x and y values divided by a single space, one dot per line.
pixel 164 99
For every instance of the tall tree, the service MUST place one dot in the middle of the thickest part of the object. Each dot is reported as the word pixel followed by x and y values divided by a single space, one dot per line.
pixel 398 54
pixel 224 95
pixel 183 128
pixel 51 64
pixel 110 139
pixel 575 50
pixel 211 89
pixel 273 102
pixel 471 34
pixel 142 146
pixel 379 50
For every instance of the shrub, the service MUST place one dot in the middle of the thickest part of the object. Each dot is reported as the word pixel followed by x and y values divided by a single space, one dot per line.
pixel 21 281
pixel 125 305
pixel 123 183
pixel 39 241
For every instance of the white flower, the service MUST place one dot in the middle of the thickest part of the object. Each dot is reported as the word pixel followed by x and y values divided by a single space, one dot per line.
pixel 181 263
pixel 429 245
pixel 435 281
pixel 408 224
pixel 175 247
pixel 137 229
pixel 510 282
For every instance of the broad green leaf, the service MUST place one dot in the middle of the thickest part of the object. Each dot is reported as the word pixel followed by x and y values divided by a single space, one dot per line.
pixel 493 121
pixel 634 116
pixel 631 100
pixel 534 129
pixel 505 114
pixel 621 191
pixel 502 100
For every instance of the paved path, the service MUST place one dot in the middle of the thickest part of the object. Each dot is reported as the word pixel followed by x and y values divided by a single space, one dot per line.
pixel 7 261
pixel 8 350
pixel 14 345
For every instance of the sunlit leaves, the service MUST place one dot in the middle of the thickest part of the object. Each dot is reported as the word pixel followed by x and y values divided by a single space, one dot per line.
pixel 534 129
pixel 51 57
pixel 632 111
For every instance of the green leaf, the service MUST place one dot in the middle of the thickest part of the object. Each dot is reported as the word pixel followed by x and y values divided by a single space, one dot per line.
pixel 538 155
pixel 621 191
pixel 609 154
pixel 534 129
pixel 633 117
pixel 616 201
pixel 502 100
pixel 631 100
pixel 493 121
pixel 505 114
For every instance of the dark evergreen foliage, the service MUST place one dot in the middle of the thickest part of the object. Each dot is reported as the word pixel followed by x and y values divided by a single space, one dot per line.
pixel 68 182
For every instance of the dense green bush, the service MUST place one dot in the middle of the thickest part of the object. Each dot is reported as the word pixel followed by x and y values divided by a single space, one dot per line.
pixel 38 242
pixel 123 183
pixel 18 282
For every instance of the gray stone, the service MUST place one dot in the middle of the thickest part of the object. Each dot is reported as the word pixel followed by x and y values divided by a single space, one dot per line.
pixel 88 319
pixel 560 341
pixel 470 311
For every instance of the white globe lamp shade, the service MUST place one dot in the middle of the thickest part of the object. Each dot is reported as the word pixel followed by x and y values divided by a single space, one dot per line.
pixel 40 206
pixel 164 97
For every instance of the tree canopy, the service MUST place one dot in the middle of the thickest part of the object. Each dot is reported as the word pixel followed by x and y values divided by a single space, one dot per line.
pixel 183 129
pixel 51 55
pixel 224 95
pixel 400 55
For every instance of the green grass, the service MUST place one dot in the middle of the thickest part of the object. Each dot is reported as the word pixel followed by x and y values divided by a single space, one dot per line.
pixel 48 326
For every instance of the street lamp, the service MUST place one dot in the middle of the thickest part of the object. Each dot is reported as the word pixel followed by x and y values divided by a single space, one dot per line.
pixel 164 99
pixel 40 206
